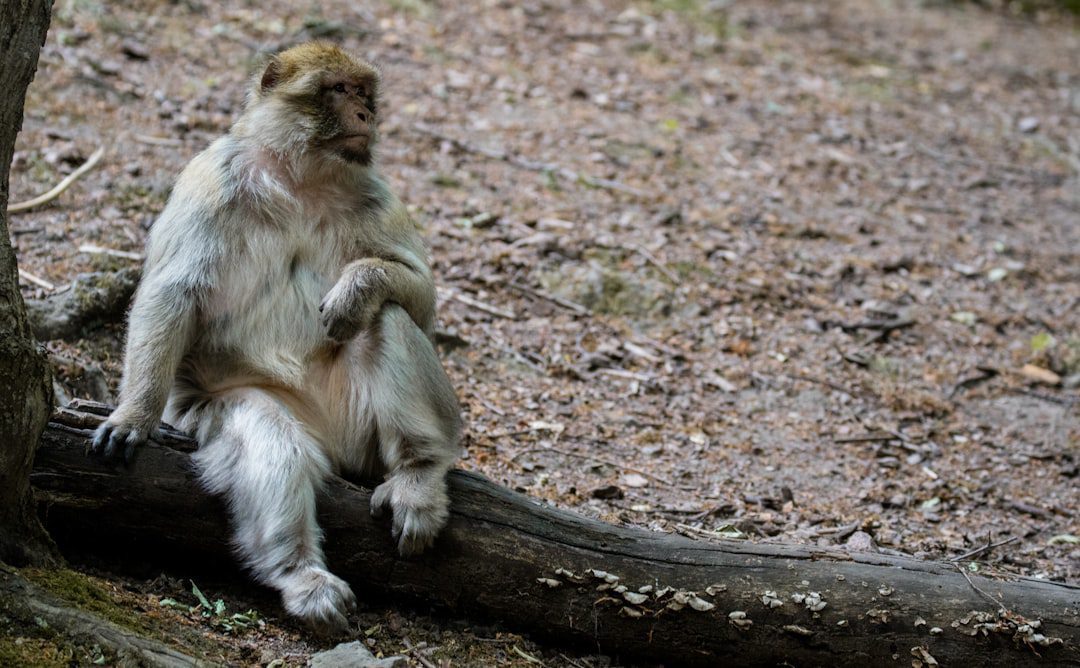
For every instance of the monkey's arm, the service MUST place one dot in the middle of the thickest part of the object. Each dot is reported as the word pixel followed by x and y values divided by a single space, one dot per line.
pixel 160 329
pixel 181 259
pixel 396 274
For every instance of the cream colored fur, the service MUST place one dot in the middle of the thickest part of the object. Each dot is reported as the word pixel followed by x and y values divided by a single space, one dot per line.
pixel 226 338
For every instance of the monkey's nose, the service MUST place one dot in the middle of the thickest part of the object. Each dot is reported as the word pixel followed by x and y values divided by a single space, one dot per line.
pixel 362 115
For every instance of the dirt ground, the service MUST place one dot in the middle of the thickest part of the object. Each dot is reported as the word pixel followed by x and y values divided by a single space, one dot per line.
pixel 777 271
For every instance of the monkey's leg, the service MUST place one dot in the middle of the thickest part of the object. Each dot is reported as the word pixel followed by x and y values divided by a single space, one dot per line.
pixel 418 424
pixel 257 455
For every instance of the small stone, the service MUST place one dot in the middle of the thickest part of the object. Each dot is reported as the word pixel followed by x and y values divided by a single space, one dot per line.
pixel 607 492
pixel 354 655
pixel 135 50
pixel 860 541
pixel 899 500
pixel 1028 124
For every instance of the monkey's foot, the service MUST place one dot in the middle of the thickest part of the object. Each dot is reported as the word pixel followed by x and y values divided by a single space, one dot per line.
pixel 320 598
pixel 420 507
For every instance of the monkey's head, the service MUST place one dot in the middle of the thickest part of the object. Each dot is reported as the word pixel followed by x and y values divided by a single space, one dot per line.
pixel 324 98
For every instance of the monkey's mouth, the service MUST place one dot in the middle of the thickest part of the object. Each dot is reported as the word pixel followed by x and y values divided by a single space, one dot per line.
pixel 354 147
pixel 355 139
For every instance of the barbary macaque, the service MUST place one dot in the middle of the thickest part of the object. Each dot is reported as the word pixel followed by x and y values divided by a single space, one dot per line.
pixel 285 317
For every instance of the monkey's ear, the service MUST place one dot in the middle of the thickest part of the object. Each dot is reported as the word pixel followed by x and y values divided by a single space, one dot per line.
pixel 271 75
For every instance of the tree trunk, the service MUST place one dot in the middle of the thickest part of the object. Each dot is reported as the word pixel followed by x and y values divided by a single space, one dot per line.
pixel 25 384
pixel 632 593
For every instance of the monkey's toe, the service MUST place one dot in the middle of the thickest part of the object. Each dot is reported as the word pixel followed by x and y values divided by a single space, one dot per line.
pixel 418 528
pixel 321 599
pixel 117 441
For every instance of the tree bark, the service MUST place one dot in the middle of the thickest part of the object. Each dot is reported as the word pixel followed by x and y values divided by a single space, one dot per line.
pixel 509 558
pixel 25 382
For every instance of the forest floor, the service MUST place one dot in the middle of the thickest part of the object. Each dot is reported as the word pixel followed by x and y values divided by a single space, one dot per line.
pixel 800 272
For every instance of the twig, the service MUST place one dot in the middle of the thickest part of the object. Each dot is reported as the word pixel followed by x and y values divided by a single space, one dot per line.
pixel 868 438
pixel 698 531
pixel 415 653
pixel 985 548
pixel 19 207
pixel 447 293
pixel 980 162
pixel 694 513
pixel 532 165
pixel 639 351
pixel 554 299
pixel 101 250
pixel 963 571
pixel 985 373
pixel 882 325
pixel 570 661
pixel 1067 401
pixel 654 261
pixel 528 657
pixel 594 458
pixel 1030 509
pixel 158 141
pixel 827 383
pixel 627 375
pixel 40 282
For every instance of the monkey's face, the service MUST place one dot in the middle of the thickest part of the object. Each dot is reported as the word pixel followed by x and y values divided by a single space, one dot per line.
pixel 349 123
pixel 329 94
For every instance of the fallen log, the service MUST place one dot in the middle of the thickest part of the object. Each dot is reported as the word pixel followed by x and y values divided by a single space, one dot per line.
pixel 635 594
pixel 90 301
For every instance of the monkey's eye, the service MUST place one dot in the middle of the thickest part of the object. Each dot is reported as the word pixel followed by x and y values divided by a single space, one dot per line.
pixel 339 88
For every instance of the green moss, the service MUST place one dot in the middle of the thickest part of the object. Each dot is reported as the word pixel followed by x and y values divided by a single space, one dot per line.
pixel 34 653
pixel 606 287
pixel 86 594
pixel 705 15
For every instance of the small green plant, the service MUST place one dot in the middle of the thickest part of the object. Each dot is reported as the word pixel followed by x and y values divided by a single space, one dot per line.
pixel 215 614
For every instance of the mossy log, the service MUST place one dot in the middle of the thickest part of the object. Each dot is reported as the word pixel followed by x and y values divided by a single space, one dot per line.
pixel 91 300
pixel 638 595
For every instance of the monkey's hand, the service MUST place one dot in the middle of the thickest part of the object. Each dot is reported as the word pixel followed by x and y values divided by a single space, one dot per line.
pixel 120 435
pixel 354 302
pixel 420 506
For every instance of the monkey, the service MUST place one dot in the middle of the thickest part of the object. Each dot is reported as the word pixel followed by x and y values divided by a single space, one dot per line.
pixel 285 317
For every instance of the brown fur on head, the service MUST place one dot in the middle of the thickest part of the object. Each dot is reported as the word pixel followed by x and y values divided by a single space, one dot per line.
pixel 328 99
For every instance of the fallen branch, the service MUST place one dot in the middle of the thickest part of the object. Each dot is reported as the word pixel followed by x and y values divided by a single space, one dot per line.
pixel 984 548
pixel 19 207
pixel 635 594
pixel 594 459
pixel 447 293
pixel 655 262
pixel 90 300
pixel 36 280
pixel 554 299
pixel 93 249
pixel 533 165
